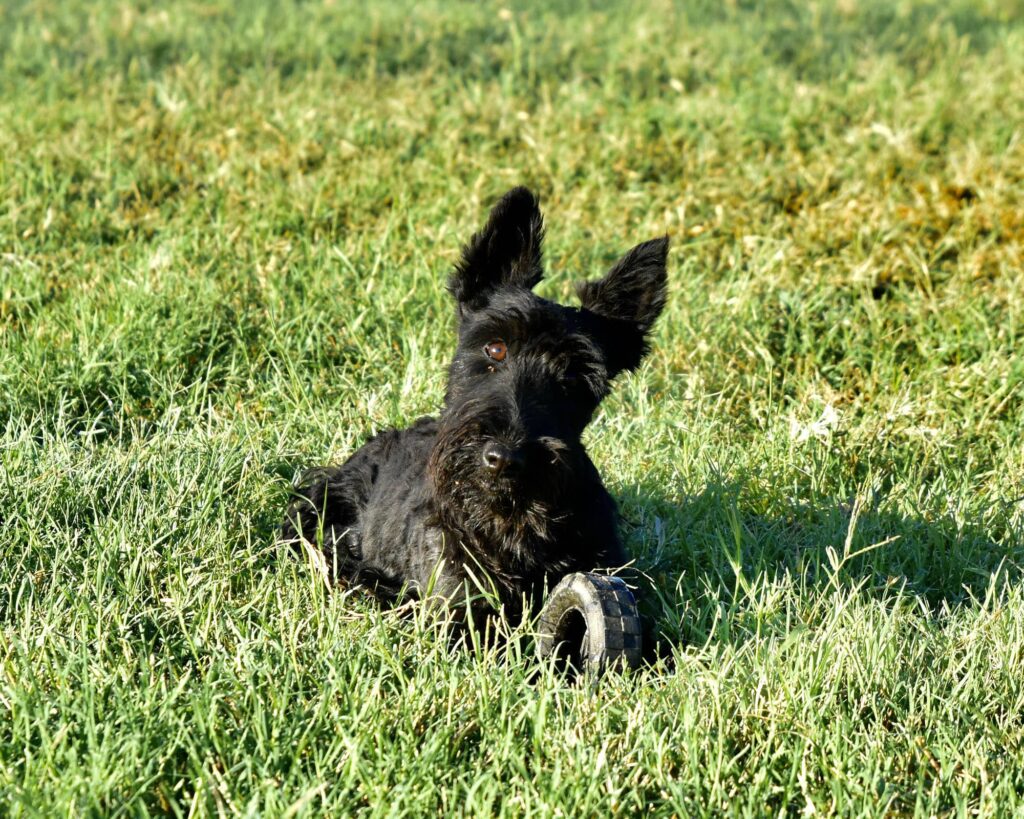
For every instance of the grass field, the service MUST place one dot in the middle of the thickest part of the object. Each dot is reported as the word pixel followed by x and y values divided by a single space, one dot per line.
pixel 224 230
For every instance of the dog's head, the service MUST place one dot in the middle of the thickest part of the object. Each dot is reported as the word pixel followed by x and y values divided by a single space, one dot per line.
pixel 529 373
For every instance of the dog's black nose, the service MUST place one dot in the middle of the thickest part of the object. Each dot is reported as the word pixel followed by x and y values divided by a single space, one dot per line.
pixel 501 460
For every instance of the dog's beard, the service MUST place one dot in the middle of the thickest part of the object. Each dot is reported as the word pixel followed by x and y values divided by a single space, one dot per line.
pixel 514 514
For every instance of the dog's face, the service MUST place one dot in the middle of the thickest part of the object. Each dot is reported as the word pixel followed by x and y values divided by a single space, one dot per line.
pixel 529 373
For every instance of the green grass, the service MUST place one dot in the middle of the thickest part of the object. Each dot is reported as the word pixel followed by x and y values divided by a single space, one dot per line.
pixel 224 231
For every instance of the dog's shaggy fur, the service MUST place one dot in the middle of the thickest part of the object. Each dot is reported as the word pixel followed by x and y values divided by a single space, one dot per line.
pixel 499 485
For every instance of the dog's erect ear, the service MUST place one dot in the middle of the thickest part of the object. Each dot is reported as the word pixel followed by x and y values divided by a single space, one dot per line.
pixel 507 251
pixel 626 302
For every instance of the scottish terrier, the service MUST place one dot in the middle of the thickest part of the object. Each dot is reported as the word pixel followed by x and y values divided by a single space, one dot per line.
pixel 499 487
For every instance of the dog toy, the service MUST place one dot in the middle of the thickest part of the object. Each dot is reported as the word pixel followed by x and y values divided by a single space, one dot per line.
pixel 590 621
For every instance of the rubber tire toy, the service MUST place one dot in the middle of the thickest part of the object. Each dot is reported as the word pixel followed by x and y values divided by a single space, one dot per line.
pixel 590 623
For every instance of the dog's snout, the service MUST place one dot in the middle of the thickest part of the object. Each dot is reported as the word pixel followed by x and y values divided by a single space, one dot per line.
pixel 501 460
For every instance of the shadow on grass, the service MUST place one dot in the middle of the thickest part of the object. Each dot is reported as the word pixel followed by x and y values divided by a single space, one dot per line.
pixel 725 547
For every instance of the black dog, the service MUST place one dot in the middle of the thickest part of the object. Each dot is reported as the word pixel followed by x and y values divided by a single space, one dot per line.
pixel 499 486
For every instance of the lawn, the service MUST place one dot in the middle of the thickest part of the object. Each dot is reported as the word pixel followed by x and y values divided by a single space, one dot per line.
pixel 224 233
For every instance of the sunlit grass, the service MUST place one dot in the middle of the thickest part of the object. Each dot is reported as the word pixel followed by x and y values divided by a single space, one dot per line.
pixel 224 232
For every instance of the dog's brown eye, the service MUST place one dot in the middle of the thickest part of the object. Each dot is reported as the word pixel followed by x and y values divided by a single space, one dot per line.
pixel 496 350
